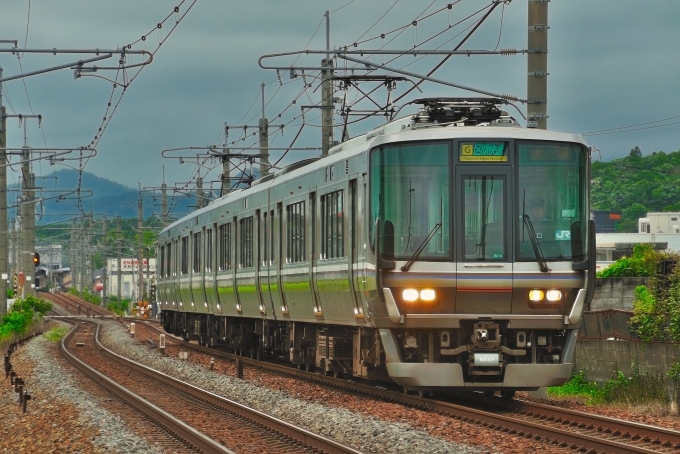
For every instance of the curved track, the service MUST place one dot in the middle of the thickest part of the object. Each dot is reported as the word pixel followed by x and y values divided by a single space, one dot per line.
pixel 552 425
pixel 215 411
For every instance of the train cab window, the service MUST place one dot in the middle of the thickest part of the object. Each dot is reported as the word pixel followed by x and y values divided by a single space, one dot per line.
pixel 483 211
pixel 196 268
pixel 295 238
pixel 409 192
pixel 332 245
pixel 224 248
pixel 246 243
pixel 209 250
pixel 552 187
pixel 185 255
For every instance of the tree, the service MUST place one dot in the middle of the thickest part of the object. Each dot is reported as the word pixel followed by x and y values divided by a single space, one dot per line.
pixel 636 152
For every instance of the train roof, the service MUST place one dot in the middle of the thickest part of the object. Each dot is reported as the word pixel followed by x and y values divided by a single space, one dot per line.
pixel 438 119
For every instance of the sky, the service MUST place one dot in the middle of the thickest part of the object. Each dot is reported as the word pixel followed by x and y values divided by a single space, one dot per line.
pixel 612 64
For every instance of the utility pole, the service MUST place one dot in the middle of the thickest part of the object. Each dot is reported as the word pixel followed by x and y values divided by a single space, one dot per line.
pixel 119 270
pixel 226 168
pixel 4 271
pixel 264 141
pixel 73 254
pixel 164 203
pixel 199 193
pixel 140 256
pixel 105 269
pixel 13 247
pixel 327 95
pixel 537 65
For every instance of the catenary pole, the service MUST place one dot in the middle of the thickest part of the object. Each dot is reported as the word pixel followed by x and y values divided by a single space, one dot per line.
pixel 4 272
pixel 263 128
pixel 537 65
pixel 327 95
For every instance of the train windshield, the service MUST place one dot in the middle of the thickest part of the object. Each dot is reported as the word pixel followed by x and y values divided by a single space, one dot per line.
pixel 410 195
pixel 552 199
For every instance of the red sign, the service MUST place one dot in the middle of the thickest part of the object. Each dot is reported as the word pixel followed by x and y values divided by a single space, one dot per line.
pixel 614 216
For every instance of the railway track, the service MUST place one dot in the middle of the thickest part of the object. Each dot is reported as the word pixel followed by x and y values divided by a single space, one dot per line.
pixel 75 305
pixel 217 418
pixel 553 425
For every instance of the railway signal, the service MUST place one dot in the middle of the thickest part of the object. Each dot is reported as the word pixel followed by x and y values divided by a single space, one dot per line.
pixel 36 259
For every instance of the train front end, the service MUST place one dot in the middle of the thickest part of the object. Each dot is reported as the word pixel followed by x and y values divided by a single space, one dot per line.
pixel 484 254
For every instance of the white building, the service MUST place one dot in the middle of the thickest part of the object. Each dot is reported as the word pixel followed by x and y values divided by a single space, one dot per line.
pixel 667 222
pixel 129 277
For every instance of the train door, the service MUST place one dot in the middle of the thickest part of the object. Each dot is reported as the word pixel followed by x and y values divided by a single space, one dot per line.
pixel 353 230
pixel 314 253
pixel 483 196
pixel 277 225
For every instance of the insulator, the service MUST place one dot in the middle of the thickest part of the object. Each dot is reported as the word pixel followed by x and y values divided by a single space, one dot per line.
pixel 508 51
pixel 509 97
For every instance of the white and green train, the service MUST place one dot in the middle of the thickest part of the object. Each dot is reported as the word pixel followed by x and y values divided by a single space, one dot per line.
pixel 450 249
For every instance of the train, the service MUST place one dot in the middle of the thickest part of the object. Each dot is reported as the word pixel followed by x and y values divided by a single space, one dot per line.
pixel 447 250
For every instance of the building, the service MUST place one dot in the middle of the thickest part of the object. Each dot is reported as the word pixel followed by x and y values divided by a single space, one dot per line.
pixel 605 221
pixel 129 287
pixel 667 222
pixel 50 255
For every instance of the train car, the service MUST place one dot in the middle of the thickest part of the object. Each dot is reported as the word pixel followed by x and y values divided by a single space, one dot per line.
pixel 447 250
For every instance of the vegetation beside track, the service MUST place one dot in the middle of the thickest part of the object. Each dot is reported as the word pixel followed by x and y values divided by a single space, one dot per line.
pixel 638 390
pixel 115 306
pixel 22 317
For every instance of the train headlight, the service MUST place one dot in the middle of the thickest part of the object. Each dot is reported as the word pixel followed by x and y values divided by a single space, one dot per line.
pixel 553 295
pixel 428 295
pixel 410 295
pixel 536 295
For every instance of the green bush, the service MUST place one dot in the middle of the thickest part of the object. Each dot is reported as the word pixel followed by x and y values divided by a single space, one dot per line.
pixel 634 390
pixel 22 314
pixel 643 263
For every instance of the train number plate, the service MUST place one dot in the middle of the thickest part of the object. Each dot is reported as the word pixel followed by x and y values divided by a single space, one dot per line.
pixel 486 360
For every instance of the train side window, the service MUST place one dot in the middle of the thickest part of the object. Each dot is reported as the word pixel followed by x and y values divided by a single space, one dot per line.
pixel 185 255
pixel 246 242
pixel 196 268
pixel 332 225
pixel 265 239
pixel 209 250
pixel 271 238
pixel 224 246
pixel 295 238
pixel 168 258
pixel 162 261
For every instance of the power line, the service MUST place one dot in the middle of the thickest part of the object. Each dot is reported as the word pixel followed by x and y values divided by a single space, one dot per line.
pixel 627 128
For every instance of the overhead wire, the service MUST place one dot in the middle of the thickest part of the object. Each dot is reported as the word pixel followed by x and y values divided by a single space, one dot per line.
pixel 622 129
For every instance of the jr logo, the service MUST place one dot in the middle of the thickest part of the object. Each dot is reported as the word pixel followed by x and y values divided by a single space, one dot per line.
pixel 562 235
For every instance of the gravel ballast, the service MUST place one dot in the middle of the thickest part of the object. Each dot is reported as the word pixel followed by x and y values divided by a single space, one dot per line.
pixel 61 416
pixel 369 435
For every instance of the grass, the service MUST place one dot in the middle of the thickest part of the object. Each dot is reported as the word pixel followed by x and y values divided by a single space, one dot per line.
pixel 56 334
pixel 637 391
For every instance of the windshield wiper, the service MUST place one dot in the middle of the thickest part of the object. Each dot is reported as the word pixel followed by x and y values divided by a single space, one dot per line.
pixel 534 243
pixel 420 249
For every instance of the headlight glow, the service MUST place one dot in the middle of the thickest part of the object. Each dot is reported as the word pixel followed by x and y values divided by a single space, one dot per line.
pixel 428 294
pixel 554 295
pixel 536 295
pixel 410 295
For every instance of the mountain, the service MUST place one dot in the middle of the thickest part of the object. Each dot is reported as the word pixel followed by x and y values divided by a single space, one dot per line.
pixel 57 201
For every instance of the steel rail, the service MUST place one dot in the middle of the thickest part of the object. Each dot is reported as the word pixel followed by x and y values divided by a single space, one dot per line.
pixel 511 424
pixel 176 426
pixel 291 431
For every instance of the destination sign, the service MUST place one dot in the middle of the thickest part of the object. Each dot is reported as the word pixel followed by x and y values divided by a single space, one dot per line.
pixel 484 152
